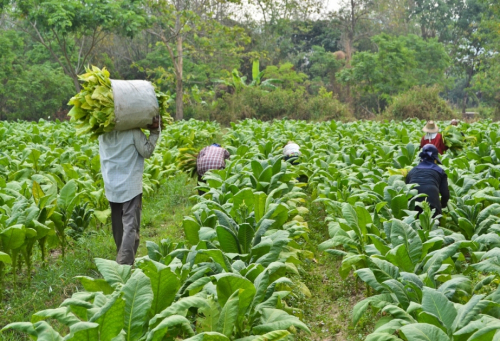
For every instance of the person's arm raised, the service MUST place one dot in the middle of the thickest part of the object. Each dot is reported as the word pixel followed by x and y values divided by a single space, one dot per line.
pixel 145 147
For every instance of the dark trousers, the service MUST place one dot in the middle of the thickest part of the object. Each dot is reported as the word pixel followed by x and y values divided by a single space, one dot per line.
pixel 294 160
pixel 200 192
pixel 126 223
pixel 420 210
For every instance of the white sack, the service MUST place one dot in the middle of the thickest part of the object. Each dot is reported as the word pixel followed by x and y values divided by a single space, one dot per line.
pixel 135 104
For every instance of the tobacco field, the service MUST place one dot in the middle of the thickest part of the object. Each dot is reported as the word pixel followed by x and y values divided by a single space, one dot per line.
pixel 240 265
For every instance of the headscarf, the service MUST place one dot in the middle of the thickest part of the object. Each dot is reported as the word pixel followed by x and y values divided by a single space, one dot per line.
pixel 429 153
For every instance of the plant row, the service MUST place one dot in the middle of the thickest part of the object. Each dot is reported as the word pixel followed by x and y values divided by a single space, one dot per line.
pixel 229 280
pixel 51 186
pixel 432 279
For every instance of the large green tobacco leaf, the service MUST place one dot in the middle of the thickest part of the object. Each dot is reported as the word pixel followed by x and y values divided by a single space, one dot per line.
pixel 437 304
pixel 423 332
pixel 381 337
pixel 467 313
pixel 402 233
pixel 351 217
pixel 399 291
pixel 164 284
pixel 180 308
pixel 434 263
pixel 244 197
pixel 68 196
pixel 82 331
pixel 245 237
pixel 377 301
pixel 229 315
pixel 45 332
pixel 275 319
pixel 138 297
pixel 13 237
pixel 208 336
pixel 95 284
pixel 219 257
pixel 271 336
pixel 260 199
pixel 227 284
pixel 171 322
pixel 114 273
pixel 110 317
pixel 63 315
pixel 191 228
pixel 22 327
pixel 227 239
pixel 398 204
pixel 490 332
pixel 400 256
pixel 5 258
pixel 398 313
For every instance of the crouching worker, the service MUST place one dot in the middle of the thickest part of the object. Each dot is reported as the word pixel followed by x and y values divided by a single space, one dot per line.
pixel 209 158
pixel 291 154
pixel 431 179
pixel 122 164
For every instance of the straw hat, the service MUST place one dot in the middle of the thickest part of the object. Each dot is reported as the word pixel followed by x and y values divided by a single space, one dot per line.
pixel 430 127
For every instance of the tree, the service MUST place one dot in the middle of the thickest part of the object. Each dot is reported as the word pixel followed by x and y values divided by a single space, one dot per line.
pixel 30 90
pixel 487 79
pixel 173 20
pixel 434 16
pixel 71 30
pixel 399 64
pixel 353 16
pixel 466 46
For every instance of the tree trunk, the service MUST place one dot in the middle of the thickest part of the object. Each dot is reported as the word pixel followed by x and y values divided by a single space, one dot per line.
pixel 179 104
pixel 76 83
pixel 466 95
pixel 464 103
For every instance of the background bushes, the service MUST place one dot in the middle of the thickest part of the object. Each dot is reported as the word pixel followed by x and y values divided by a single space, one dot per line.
pixel 252 102
pixel 419 102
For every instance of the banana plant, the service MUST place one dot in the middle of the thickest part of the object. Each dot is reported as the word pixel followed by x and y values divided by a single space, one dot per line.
pixel 239 82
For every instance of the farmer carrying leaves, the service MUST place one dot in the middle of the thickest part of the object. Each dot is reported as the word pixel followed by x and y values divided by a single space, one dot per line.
pixel 122 164
pixel 431 179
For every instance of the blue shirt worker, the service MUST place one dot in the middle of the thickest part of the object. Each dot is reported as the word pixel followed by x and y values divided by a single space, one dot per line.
pixel 122 165
pixel 431 179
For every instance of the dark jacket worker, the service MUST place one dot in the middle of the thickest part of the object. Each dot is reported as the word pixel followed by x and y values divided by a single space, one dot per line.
pixel 431 179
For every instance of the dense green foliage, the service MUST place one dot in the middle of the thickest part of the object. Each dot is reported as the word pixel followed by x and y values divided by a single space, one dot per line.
pixel 420 102
pixel 50 180
pixel 230 279
pixel 365 53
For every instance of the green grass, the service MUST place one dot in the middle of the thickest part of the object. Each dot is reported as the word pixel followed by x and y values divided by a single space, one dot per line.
pixel 328 312
pixel 161 218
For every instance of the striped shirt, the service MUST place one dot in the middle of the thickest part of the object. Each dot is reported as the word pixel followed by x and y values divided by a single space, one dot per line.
pixel 211 157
